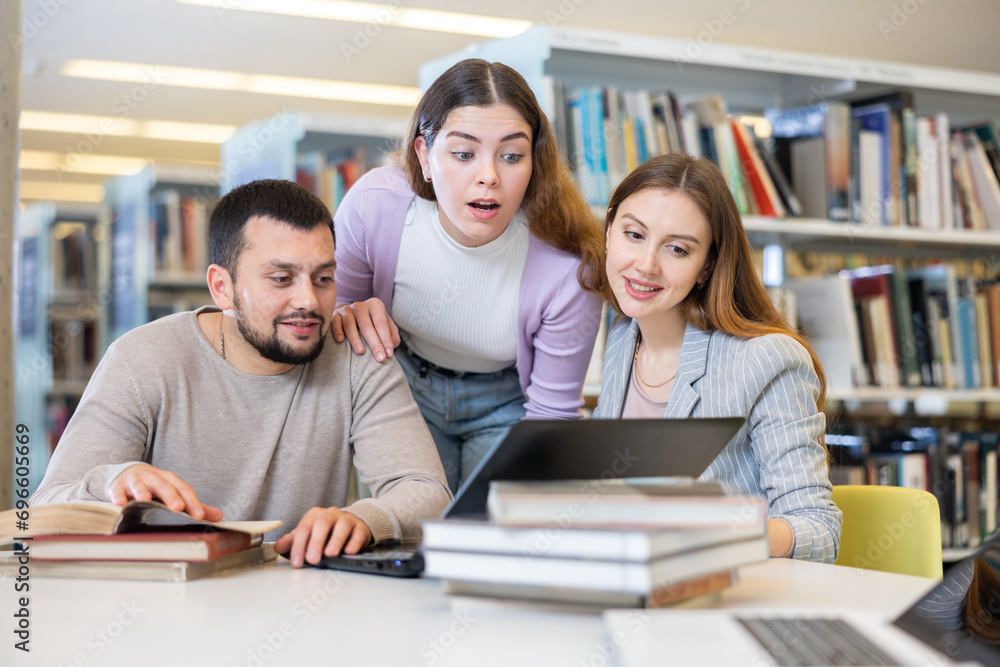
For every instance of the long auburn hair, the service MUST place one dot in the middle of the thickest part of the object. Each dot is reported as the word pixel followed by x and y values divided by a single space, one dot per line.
pixel 557 212
pixel 733 299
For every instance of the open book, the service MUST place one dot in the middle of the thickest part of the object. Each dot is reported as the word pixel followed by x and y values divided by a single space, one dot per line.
pixel 101 518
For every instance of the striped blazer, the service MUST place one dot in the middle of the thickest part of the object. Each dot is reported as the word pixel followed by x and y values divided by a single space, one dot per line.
pixel 770 382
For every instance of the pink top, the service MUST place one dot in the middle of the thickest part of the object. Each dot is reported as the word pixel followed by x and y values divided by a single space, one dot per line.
pixel 557 320
pixel 638 405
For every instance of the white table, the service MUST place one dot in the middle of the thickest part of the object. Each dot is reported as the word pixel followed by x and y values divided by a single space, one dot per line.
pixel 276 615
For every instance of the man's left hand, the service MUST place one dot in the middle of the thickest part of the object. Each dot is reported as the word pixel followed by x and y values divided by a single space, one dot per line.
pixel 324 531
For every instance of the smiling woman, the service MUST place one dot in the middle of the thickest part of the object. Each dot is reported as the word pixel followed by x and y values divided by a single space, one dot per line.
pixel 698 336
pixel 479 256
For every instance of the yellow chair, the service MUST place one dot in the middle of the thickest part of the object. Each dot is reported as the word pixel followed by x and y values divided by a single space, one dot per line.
pixel 890 528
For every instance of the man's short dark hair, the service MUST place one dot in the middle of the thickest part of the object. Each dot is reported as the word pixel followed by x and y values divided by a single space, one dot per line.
pixel 284 201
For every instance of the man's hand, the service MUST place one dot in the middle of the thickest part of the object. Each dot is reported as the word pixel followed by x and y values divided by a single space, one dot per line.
pixel 368 320
pixel 323 531
pixel 145 482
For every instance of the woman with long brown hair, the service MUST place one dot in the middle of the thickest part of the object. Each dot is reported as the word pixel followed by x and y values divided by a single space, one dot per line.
pixel 698 336
pixel 479 253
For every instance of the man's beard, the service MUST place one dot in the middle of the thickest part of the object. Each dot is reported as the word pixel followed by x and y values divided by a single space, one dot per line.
pixel 272 347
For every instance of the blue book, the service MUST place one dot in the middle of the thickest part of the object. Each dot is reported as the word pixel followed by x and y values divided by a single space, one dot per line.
pixel 595 115
pixel 970 343
pixel 589 183
pixel 876 118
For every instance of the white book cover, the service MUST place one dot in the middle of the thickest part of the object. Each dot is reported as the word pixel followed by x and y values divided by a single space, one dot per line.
pixel 689 132
pixel 827 317
pixel 871 176
pixel 928 176
pixel 913 471
pixel 555 541
pixel 989 491
pixel 605 575
pixel 943 129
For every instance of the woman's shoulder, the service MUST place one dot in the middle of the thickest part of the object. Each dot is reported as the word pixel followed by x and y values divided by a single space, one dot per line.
pixel 773 346
pixel 390 177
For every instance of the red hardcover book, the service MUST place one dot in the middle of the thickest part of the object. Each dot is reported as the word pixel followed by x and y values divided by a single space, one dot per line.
pixel 167 544
pixel 753 175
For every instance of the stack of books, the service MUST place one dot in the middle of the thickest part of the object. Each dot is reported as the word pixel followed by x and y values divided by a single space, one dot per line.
pixel 599 543
pixel 143 540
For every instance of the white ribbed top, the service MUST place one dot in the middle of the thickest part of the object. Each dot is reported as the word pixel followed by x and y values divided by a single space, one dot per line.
pixel 457 306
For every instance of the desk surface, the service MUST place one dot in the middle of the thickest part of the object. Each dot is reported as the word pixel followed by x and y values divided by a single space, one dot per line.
pixel 276 615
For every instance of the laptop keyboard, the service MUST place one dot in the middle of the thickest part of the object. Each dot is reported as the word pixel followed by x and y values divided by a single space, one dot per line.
pixel 815 641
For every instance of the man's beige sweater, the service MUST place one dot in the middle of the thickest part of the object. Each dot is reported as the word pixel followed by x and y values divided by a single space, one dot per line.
pixel 258 447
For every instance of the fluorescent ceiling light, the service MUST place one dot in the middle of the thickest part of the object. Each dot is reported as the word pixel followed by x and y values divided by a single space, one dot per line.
pixel 112 165
pixel 125 127
pixel 391 14
pixel 84 192
pixel 189 77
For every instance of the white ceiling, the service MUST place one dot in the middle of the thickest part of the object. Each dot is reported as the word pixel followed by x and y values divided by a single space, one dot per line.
pixel 955 34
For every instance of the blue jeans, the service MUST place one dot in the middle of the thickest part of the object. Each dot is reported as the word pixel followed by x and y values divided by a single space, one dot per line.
pixel 466 415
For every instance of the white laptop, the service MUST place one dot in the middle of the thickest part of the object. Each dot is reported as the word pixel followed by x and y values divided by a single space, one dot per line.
pixel 957 622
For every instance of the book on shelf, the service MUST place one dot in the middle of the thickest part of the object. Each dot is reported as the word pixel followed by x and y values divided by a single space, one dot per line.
pixel 827 318
pixel 73 258
pixel 177 543
pixel 872 289
pixel 984 179
pixel 140 570
pixel 621 502
pixel 604 575
pixel 988 133
pixel 848 458
pixel 813 146
pixel 872 199
pixel 992 293
pixel 577 598
pixel 788 197
pixel 762 189
pixel 940 294
pixel 958 467
pixel 605 543
pixel 178 234
pixel 903 156
pixel 104 518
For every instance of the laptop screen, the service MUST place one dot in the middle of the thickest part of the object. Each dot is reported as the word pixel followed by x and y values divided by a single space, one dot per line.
pixel 595 449
pixel 961 616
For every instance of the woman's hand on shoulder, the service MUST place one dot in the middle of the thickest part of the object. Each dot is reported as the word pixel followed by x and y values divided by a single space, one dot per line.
pixel 366 322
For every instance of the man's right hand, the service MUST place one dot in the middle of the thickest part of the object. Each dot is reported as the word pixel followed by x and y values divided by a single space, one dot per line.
pixel 145 482
pixel 368 320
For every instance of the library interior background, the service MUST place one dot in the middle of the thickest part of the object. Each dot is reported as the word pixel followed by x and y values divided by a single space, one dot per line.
pixel 861 140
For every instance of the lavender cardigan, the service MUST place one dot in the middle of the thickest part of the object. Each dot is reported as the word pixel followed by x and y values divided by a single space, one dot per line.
pixel 557 320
